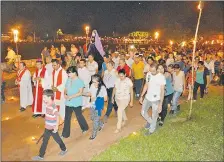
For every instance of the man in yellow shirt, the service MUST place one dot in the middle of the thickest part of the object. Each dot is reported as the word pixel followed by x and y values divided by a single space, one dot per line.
pixel 138 74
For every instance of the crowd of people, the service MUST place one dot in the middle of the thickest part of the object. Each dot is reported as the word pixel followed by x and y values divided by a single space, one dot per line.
pixel 73 81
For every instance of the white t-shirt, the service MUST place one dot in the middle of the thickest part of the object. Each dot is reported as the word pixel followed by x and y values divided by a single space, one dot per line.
pixel 169 61
pixel 178 82
pixel 116 62
pixel 109 78
pixel 129 62
pixel 210 66
pixel 154 86
pixel 146 68
pixel 93 91
pixel 49 68
pixel 84 75
pixel 92 67
pixel 123 88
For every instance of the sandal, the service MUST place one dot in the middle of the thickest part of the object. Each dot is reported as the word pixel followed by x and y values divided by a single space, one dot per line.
pixel 117 131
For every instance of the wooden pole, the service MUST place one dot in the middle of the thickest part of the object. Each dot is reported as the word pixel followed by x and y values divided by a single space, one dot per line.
pixel 193 57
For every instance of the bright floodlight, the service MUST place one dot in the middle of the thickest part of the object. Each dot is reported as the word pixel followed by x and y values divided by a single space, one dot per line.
pixel 87 28
pixel 156 35
pixel 15 32
pixel 183 44
pixel 132 46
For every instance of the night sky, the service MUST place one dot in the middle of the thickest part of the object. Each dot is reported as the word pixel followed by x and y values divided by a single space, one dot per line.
pixel 106 17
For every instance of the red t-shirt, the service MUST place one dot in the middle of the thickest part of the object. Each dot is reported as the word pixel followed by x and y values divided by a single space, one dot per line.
pixel 126 68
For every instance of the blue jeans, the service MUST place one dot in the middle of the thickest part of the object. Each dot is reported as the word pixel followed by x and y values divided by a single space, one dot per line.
pixel 176 96
pixel 3 91
pixel 138 85
pixel 110 104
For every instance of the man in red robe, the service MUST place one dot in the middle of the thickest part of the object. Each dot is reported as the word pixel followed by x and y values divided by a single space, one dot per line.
pixel 58 81
pixel 41 82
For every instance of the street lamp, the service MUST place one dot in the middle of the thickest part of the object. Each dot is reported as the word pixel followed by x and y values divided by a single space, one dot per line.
pixel 156 35
pixel 87 32
pixel 132 46
pixel 16 38
pixel 183 43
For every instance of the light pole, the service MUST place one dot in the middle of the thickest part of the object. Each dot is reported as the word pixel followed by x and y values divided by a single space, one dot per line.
pixel 171 43
pixel 16 38
pixel 157 36
pixel 87 32
pixel 200 6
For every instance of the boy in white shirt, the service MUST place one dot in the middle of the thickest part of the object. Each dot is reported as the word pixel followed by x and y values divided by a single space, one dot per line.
pixel 85 76
pixel 92 65
pixel 109 79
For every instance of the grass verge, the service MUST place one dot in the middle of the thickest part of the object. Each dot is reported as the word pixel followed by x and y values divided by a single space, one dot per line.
pixel 198 139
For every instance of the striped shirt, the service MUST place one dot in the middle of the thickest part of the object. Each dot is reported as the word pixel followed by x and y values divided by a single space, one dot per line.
pixel 51 117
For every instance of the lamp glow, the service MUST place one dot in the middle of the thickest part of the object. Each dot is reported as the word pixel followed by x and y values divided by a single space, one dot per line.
pixel 87 29
pixel 15 33
pixel 156 35
pixel 132 46
pixel 183 43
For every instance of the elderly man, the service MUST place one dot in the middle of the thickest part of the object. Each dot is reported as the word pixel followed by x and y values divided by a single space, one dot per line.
pixel 23 81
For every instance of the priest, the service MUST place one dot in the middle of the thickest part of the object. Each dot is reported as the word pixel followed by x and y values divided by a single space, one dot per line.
pixel 58 81
pixel 23 81
pixel 41 82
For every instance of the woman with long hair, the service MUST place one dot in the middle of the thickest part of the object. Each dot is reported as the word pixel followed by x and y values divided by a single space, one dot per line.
pixel 98 94
pixel 162 69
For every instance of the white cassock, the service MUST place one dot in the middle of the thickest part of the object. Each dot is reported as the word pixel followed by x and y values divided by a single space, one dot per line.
pixel 25 90
pixel 46 84
pixel 85 76
pixel 60 88
pixel 49 68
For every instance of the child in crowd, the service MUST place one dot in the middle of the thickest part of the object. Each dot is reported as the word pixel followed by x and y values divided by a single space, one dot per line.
pixel 51 126
pixel 190 84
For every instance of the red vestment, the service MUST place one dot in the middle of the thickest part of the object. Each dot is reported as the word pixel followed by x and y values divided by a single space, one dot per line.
pixel 20 75
pixel 38 93
pixel 58 82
